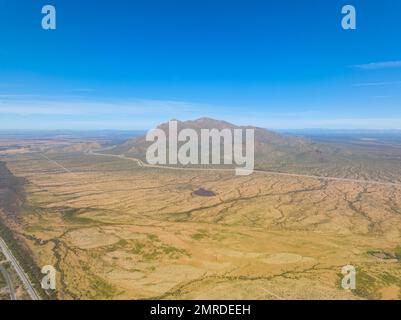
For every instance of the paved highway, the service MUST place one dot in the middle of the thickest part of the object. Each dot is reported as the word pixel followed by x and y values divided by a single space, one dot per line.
pixel 9 282
pixel 25 280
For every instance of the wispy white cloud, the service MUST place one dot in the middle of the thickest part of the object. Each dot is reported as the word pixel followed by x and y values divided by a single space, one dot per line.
pixel 379 65
pixel 382 97
pixel 335 123
pixel 371 84
pixel 78 113
pixel 81 90
pixel 25 105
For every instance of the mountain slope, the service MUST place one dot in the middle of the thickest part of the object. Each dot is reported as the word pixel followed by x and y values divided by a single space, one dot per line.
pixel 271 149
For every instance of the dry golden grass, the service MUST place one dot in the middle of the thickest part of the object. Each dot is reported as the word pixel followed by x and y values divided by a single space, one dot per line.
pixel 115 230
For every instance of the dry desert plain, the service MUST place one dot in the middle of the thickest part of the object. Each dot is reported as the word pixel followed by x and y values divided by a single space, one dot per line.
pixel 114 229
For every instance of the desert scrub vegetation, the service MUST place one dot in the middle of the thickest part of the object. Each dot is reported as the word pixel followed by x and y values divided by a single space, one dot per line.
pixel 367 286
pixel 155 249
pixel 101 288
pixel 24 257
pixel 206 234
pixel 397 253
pixel 200 234
pixel 148 249
pixel 120 231
pixel 3 282
pixel 71 215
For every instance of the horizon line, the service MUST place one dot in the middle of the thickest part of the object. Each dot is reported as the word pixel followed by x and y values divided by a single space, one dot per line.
pixel 144 130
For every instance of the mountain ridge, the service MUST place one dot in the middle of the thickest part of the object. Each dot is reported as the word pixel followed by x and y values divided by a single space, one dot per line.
pixel 271 148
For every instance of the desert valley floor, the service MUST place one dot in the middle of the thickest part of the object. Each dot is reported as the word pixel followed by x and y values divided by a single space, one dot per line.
pixel 114 229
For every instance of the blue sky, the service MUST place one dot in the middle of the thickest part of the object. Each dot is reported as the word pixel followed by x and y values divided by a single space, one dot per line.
pixel 132 64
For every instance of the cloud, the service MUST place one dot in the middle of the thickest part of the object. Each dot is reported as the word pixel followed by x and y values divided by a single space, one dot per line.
pixel 335 123
pixel 379 65
pixel 370 84
pixel 81 90
pixel 25 105
pixel 67 113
